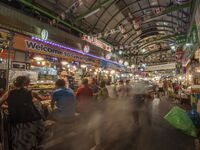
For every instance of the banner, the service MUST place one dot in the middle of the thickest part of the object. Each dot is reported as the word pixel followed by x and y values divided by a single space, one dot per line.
pixel 108 65
pixel 161 67
pixel 24 43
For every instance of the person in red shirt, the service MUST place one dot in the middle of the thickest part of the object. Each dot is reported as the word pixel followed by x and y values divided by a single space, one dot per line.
pixel 84 97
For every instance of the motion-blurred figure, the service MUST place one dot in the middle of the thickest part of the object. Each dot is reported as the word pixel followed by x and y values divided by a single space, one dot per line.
pixel 121 91
pixel 111 90
pixel 84 97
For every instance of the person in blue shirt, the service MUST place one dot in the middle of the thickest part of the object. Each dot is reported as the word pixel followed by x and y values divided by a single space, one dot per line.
pixel 63 102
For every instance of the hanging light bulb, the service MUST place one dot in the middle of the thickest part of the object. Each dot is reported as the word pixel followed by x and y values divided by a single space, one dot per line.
pixel 83 66
pixel 132 66
pixel 126 63
pixel 120 52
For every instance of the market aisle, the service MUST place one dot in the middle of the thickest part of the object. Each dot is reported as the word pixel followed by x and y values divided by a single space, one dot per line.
pixel 159 135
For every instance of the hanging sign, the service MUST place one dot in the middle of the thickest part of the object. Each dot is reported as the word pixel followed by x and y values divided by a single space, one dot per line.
pixel 93 40
pixel 5 53
pixel 106 65
pixel 161 67
pixel 24 43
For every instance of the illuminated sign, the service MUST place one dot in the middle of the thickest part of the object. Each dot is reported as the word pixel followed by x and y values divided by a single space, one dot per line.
pixel 44 34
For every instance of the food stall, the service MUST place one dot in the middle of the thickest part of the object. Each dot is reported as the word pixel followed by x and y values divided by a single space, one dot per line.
pixel 45 61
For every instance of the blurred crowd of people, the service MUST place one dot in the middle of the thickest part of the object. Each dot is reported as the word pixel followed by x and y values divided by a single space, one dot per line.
pixel 97 103
pixel 28 121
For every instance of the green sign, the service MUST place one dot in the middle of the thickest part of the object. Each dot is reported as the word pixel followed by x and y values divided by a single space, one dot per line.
pixel 181 39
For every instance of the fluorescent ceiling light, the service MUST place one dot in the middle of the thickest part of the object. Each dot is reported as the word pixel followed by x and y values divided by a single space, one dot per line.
pixel 143 50
pixel 92 13
pixel 173 47
pixel 188 44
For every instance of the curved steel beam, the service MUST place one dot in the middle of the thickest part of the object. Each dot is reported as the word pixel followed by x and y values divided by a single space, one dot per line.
pixel 158 63
pixel 148 32
pixel 120 11
pixel 161 39
pixel 154 52
pixel 150 27
pixel 145 22
pixel 168 10
pixel 93 27
pixel 157 21
pixel 154 42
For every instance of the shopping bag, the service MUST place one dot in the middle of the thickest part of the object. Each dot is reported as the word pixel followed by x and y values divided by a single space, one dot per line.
pixel 178 118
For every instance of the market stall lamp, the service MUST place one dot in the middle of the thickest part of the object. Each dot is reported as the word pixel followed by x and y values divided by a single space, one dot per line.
pixel 64 63
pixel 83 66
pixel 38 58
pixel 190 77
pixel 75 67
pixel 112 72
pixel 43 63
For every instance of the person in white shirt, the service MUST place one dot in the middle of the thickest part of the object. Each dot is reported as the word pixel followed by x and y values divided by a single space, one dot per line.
pixel 111 90
pixel 121 91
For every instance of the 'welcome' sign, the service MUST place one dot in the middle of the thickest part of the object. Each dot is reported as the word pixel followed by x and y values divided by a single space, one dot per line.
pixel 27 44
